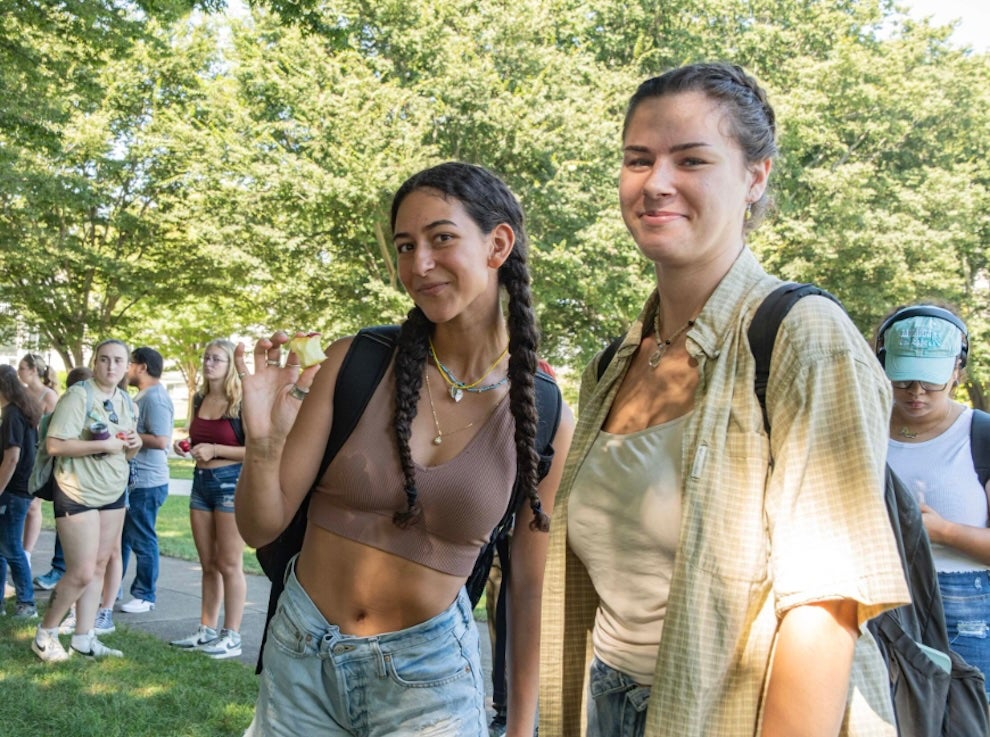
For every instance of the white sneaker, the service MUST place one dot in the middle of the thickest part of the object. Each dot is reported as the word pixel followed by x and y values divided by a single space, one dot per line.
pixel 137 606
pixel 98 651
pixel 203 636
pixel 227 645
pixel 104 622
pixel 68 625
pixel 47 647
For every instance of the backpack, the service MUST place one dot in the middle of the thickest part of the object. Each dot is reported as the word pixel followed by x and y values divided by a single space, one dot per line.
pixel 41 482
pixel 934 691
pixel 360 373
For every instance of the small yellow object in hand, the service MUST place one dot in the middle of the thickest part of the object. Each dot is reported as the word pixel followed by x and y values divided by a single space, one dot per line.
pixel 308 349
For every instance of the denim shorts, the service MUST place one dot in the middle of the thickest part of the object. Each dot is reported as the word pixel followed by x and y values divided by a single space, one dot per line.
pixel 616 704
pixel 213 488
pixel 425 679
pixel 966 601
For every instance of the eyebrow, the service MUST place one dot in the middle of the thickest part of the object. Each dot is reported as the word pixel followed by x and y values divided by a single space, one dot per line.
pixel 430 226
pixel 673 149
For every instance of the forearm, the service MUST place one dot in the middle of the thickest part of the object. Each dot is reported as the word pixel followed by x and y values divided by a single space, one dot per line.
pixel 809 676
pixel 259 504
pixel 155 442
pixel 7 468
pixel 75 448
pixel 522 660
pixel 973 541
pixel 228 452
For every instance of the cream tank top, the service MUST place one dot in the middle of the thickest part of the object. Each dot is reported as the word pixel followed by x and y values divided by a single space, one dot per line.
pixel 623 522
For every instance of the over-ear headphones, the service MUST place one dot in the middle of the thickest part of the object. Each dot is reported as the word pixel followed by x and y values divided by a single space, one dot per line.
pixel 906 313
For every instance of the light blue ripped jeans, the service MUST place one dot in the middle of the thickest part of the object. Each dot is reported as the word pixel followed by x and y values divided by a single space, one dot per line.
pixel 966 600
pixel 423 680
pixel 213 488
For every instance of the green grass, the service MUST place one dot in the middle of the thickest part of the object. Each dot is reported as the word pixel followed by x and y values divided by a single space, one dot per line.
pixel 153 691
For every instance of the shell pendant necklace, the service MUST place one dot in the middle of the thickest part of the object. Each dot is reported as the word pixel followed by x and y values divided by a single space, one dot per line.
pixel 458 387
pixel 663 345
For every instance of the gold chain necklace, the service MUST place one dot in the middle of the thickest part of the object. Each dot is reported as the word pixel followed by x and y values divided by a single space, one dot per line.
pixel 663 345
pixel 438 438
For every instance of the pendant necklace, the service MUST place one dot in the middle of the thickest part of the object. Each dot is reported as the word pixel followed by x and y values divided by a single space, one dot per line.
pixel 458 387
pixel 438 438
pixel 904 432
pixel 663 345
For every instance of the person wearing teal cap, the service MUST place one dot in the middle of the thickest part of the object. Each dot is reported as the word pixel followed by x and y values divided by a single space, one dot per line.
pixel 923 349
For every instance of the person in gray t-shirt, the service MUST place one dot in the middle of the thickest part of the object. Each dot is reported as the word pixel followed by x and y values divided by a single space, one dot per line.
pixel 149 477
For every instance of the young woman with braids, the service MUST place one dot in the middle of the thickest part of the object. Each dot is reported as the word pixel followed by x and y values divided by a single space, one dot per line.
pixel 721 574
pixel 374 632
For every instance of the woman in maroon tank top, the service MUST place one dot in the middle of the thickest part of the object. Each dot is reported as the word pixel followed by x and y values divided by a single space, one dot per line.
pixel 218 450
pixel 382 633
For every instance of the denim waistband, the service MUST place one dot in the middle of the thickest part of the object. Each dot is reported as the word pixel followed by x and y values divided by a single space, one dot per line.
pixel 977 579
pixel 335 644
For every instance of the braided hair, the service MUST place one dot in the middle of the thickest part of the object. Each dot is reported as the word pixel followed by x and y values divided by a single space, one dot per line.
pixel 489 203
pixel 752 119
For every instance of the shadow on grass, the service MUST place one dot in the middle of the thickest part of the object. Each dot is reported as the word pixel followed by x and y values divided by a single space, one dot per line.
pixel 153 691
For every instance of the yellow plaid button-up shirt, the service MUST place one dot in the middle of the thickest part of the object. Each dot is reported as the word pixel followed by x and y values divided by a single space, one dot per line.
pixel 755 541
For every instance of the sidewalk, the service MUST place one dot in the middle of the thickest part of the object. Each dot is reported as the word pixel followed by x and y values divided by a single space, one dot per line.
pixel 177 611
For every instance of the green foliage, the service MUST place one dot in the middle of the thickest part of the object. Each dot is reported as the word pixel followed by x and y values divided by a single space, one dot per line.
pixel 204 177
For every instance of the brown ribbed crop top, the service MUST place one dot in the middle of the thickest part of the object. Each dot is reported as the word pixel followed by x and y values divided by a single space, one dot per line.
pixel 462 499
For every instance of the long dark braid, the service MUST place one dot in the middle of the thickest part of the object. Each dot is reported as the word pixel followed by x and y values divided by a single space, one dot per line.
pixel 490 203
pixel 410 358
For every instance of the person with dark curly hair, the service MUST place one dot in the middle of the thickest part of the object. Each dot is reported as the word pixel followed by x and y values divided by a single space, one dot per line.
pixel 374 609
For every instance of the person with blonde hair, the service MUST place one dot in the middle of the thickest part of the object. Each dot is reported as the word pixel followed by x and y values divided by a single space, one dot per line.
pixel 217 445
pixel 92 437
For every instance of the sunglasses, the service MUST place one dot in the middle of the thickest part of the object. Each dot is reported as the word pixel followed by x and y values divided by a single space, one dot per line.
pixel 111 413
pixel 928 387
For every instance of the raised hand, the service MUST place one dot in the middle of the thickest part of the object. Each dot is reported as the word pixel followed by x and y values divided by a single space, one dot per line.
pixel 274 393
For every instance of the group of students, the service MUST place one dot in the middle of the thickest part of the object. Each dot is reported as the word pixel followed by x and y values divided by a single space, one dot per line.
pixel 111 456
pixel 700 576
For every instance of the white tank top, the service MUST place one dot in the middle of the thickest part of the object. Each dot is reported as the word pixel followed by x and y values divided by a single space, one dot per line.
pixel 940 472
pixel 623 522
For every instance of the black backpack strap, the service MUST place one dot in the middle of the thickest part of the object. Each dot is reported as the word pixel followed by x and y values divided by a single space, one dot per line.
pixel 606 357
pixel 548 410
pixel 548 405
pixel 763 329
pixel 979 444
pixel 360 373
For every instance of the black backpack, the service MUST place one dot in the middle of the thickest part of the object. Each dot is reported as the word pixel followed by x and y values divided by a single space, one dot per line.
pixel 928 700
pixel 360 373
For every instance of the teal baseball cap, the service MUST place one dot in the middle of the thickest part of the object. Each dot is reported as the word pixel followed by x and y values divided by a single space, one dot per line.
pixel 921 348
